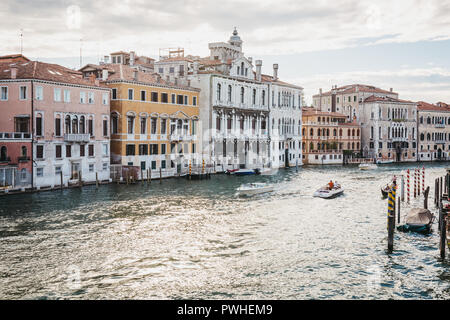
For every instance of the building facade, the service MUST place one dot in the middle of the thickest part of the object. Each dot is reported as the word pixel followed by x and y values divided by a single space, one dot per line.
pixel 434 131
pixel 235 108
pixel 389 129
pixel 154 124
pixel 61 121
pixel 328 137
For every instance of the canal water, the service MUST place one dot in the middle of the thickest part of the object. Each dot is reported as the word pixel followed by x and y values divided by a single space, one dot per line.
pixel 196 239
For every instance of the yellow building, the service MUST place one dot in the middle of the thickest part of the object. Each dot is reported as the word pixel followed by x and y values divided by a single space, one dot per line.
pixel 154 124
pixel 326 135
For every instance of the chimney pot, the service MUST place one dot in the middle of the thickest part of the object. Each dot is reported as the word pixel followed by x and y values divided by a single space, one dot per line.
pixel 104 74
pixel 275 71
pixel 258 64
pixel 391 89
pixel 320 91
pixel 13 72
pixel 132 54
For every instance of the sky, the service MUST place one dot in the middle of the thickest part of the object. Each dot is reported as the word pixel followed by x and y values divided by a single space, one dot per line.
pixel 401 44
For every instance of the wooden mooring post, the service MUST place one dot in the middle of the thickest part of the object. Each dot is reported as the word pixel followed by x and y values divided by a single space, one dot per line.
pixel 80 179
pixel 62 180
pixel 443 231
pixel 148 176
pixel 96 180
pixel 160 175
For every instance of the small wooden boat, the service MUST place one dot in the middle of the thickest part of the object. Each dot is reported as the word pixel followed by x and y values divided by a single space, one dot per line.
pixel 244 172
pixel 418 220
pixel 251 189
pixel 367 166
pixel 326 193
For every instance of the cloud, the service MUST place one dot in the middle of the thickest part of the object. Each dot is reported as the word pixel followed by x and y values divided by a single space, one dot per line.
pixel 267 27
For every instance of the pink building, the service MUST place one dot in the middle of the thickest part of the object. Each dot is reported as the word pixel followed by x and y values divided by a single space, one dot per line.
pixel 57 119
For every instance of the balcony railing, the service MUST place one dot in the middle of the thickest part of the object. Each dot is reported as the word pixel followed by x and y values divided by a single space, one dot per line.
pixel 77 137
pixel 23 159
pixel 15 135
pixel 180 137
pixel 5 160
pixel 439 125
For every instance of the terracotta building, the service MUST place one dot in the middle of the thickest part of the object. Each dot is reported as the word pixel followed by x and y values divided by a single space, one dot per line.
pixel 327 136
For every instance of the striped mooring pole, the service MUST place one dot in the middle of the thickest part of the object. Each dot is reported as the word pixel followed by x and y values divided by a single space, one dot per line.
pixel 415 182
pixel 423 180
pixel 418 181
pixel 190 170
pixel 391 219
pixel 407 185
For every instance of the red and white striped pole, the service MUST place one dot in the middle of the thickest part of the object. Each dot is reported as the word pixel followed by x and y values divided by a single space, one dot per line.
pixel 415 182
pixel 423 180
pixel 418 181
pixel 407 185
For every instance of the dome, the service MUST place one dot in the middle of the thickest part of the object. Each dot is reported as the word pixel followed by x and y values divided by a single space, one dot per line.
pixel 235 39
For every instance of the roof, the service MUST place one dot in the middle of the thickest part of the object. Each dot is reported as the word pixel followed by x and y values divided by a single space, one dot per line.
pixel 119 52
pixel 14 58
pixel 209 62
pixel 354 88
pixel 176 59
pixel 425 106
pixel 267 78
pixel 44 71
pixel 316 112
pixel 374 98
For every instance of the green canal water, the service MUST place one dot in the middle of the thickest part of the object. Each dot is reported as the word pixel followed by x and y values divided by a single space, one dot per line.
pixel 196 239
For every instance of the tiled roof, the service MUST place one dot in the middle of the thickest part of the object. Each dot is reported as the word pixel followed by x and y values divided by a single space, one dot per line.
pixel 14 58
pixel 267 78
pixel 315 112
pixel 424 106
pixel 374 98
pixel 125 72
pixel 354 88
pixel 176 59
pixel 44 71
pixel 209 62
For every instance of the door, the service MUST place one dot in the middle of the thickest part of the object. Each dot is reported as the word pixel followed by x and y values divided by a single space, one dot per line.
pixel 286 158
pixel 75 170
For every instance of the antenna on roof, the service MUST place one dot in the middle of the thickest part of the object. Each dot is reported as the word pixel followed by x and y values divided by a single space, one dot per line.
pixel 81 58
pixel 21 41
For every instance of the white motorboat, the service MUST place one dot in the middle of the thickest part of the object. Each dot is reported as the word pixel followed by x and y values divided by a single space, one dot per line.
pixel 384 161
pixel 367 166
pixel 267 171
pixel 326 193
pixel 250 189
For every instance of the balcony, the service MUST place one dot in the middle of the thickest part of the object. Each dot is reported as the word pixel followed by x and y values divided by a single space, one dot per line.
pixel 23 159
pixel 180 137
pixel 15 135
pixel 77 137
pixel 5 160
pixel 439 125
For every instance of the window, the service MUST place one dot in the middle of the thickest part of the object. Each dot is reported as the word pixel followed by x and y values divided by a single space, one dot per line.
pixel 66 96
pixel 82 150
pixel 194 127
pixel 153 122
pixel 57 94
pixel 91 150
pixel 114 94
pixel 254 97
pixel 242 94
pixel 163 148
pixel 164 98
pixel 161 70
pixel 4 153
pixel 130 94
pixel 153 148
pixel 39 124
pixel 90 97
pixel 105 127
pixel 179 99
pixel 130 124
pixel 186 100
pixel 91 127
pixel 143 95
pixel 194 101
pixel 171 69
pixel 163 126
pixel 154 96
pixel 58 170
pixel 105 98
pixel 58 127
pixel 105 149
pixel 114 123
pixel 82 125
pixel 91 167
pixel 58 151
pixel 130 150
pixel 219 89
pixel 68 151
pixel 143 149
pixel 163 164
pixel 229 93
pixel 82 97
pixel 23 93
pixel 4 93
pixel 143 125
pixel 40 172
pixel 142 166
pixel 153 165
pixel 173 98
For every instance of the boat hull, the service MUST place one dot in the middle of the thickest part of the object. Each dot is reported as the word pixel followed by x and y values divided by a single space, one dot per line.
pixel 251 192
pixel 328 194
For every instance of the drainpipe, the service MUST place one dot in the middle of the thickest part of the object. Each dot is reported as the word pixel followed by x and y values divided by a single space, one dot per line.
pixel 32 134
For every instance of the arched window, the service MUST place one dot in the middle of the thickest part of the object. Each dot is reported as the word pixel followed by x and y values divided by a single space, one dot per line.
pixel 24 151
pixel 114 123
pixel 340 132
pixel 67 124
pixel 242 94
pixel 254 97
pixel 242 69
pixel 263 97
pixel 82 124
pixel 311 146
pixel 311 132
pixel 229 93
pixel 428 137
pixel 428 120
pixel 318 132
pixel 3 153
pixel 75 124
pixel 357 132
pixel 219 89
pixel 353 132
pixel 348 132
pixel 422 137
pixel 334 132
pixel 328 132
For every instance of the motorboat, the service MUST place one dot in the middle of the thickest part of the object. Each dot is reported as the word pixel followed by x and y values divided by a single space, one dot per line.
pixel 418 220
pixel 244 172
pixel 231 171
pixel 326 193
pixel 384 161
pixel 253 188
pixel 266 171
pixel 367 166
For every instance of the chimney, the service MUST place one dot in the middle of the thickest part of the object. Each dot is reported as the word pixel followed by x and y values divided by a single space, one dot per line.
pixel 250 59
pixel 320 91
pixel 104 74
pixel 168 78
pixel 135 75
pixel 132 54
pixel 391 89
pixel 275 71
pixel 158 78
pixel 195 67
pixel 13 72
pixel 258 64
pixel 106 59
